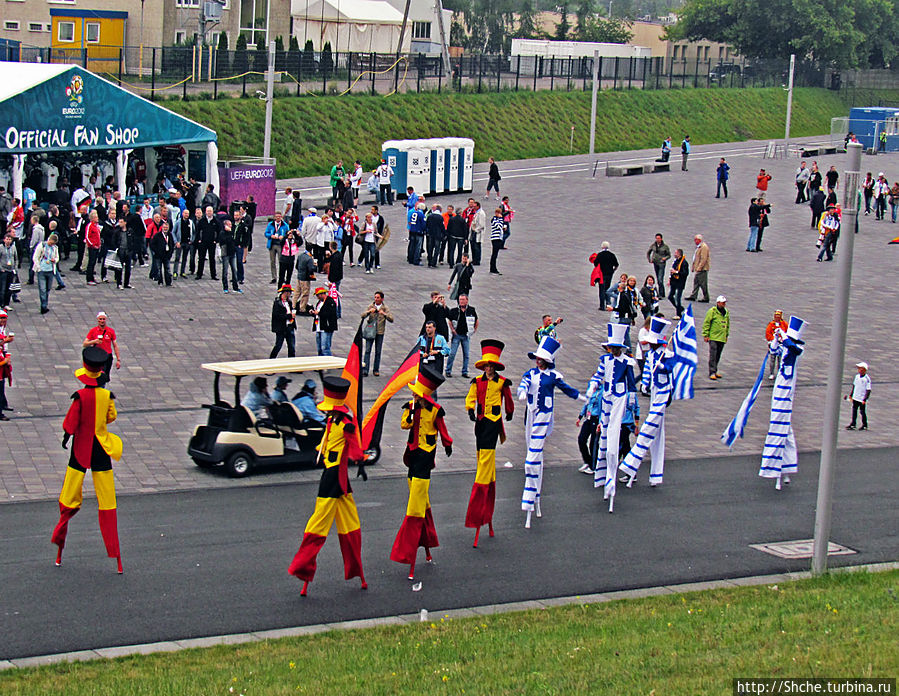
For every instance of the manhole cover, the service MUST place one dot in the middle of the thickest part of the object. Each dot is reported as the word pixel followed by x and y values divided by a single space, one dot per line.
pixel 801 548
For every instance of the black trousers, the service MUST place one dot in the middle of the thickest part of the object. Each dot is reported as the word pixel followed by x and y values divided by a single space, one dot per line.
pixel 587 440
pixel 715 350
pixel 497 245
pixel 124 270
pixel 91 263
pixel 859 406
pixel 204 251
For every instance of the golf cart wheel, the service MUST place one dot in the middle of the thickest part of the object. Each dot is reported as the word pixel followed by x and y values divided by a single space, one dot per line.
pixel 202 463
pixel 373 454
pixel 238 465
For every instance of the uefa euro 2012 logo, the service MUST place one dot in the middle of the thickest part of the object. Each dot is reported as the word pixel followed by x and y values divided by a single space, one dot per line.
pixel 74 90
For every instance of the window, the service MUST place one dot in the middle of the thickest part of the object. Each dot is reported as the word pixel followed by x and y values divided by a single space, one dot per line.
pixel 92 32
pixel 65 32
pixel 180 36
pixel 421 30
pixel 35 26
pixel 187 3
pixel 11 26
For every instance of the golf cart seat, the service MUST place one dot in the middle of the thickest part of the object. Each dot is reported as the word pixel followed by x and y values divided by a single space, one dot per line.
pixel 242 420
pixel 287 418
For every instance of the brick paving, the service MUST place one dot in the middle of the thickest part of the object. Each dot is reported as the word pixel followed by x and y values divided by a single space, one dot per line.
pixel 562 216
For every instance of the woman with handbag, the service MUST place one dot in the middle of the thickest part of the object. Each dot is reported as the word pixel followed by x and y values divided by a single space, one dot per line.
pixel 376 317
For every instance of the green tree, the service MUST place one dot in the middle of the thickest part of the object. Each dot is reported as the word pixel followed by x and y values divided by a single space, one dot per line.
pixel 260 55
pixel 222 57
pixel 326 62
pixel 606 31
pixel 584 11
pixel 280 54
pixel 293 56
pixel 241 60
pixel 842 33
pixel 563 27
pixel 308 58
pixel 527 21
pixel 489 23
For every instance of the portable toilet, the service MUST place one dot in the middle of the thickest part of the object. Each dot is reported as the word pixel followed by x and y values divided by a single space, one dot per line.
pixel 438 165
pixel 452 164
pixel 396 153
pixel 868 122
pixel 466 170
pixel 418 174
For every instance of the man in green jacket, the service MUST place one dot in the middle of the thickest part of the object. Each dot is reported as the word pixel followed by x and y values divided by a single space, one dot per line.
pixel 715 330
pixel 336 175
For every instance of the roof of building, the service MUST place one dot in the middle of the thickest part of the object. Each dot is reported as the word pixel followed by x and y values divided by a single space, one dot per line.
pixel 351 11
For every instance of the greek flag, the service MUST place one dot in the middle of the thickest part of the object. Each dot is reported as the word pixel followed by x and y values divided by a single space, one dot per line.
pixel 737 425
pixel 683 344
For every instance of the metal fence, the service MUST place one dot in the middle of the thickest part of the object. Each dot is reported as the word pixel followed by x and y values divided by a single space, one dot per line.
pixel 206 72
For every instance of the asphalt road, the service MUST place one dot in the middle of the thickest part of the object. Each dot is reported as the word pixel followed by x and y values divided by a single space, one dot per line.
pixel 201 563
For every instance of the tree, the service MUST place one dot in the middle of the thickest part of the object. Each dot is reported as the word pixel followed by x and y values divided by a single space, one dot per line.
pixel 527 21
pixel 563 27
pixel 241 60
pixel 606 31
pixel 841 33
pixel 585 10
pixel 326 63
pixel 293 56
pixel 308 58
pixel 222 57
pixel 260 56
pixel 488 23
pixel 280 55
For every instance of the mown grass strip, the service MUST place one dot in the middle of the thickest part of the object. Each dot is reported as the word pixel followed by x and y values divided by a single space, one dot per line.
pixel 310 133
pixel 843 625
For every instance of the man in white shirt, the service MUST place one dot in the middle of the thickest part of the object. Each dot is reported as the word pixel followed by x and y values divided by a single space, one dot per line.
pixel 355 179
pixel 861 390
pixel 478 226
pixel 384 172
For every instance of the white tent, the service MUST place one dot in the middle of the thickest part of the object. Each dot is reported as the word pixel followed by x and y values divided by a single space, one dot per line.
pixel 360 26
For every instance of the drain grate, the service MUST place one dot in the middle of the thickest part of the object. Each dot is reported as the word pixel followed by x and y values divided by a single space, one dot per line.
pixel 801 548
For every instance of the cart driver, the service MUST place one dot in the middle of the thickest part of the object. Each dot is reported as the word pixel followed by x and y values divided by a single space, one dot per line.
pixel 305 402
pixel 257 399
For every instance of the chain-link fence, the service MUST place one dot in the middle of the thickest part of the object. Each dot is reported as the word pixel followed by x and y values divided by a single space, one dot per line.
pixel 206 72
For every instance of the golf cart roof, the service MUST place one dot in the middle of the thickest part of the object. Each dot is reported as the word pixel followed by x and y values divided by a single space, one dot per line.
pixel 241 368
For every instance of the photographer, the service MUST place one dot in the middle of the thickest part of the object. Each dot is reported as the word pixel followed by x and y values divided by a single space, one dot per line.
pixel 433 348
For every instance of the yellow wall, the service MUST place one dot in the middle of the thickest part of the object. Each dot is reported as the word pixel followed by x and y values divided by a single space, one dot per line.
pixel 102 56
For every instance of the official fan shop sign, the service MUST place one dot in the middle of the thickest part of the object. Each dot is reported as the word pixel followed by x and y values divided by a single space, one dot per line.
pixel 65 108
pixel 239 181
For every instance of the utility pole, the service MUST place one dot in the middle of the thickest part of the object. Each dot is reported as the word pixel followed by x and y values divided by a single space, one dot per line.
pixel 399 45
pixel 835 362
pixel 444 51
pixel 789 104
pixel 269 99
pixel 593 102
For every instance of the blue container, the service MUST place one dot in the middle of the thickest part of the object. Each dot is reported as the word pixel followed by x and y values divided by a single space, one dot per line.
pixel 398 160
pixel 866 123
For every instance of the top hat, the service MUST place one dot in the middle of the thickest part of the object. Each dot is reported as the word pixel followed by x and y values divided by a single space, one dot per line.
pixel 546 350
pixel 94 360
pixel 285 288
pixel 491 349
pixel 335 390
pixel 657 327
pixel 426 382
pixel 794 329
pixel 616 333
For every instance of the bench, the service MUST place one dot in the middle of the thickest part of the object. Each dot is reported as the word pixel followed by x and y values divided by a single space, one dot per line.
pixel 661 167
pixel 634 169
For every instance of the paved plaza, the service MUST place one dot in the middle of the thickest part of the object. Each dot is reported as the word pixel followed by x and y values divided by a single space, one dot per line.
pixel 562 215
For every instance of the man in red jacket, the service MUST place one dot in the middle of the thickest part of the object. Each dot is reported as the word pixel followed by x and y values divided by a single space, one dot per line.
pixel 771 335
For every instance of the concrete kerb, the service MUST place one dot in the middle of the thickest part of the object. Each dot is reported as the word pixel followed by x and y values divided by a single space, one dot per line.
pixel 486 610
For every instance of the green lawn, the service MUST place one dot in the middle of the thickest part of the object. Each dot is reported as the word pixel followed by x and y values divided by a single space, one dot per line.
pixel 843 625
pixel 310 133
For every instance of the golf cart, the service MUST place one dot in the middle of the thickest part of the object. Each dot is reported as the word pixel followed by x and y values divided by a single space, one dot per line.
pixel 233 435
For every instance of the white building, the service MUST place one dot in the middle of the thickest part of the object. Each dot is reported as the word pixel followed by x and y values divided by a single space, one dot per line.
pixel 576 49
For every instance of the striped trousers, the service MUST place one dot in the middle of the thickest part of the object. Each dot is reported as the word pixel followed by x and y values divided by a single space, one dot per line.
pixel 613 408
pixel 540 425
pixel 779 455
pixel 650 439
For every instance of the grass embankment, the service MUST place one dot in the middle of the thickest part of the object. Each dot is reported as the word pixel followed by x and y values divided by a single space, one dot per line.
pixel 310 133
pixel 835 626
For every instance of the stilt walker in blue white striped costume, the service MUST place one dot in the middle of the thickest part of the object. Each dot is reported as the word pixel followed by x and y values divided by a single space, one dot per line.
pixel 779 458
pixel 651 437
pixel 537 386
pixel 618 388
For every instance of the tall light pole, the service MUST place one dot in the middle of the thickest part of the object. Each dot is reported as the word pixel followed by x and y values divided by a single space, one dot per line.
pixel 269 98
pixel 789 104
pixel 835 363
pixel 140 59
pixel 593 102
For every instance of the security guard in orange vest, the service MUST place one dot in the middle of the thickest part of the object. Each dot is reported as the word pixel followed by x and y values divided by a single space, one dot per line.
pixel 486 397
pixel 423 418
pixel 93 448
pixel 339 446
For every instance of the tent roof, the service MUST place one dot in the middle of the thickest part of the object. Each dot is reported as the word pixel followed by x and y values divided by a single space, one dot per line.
pixel 61 108
pixel 352 11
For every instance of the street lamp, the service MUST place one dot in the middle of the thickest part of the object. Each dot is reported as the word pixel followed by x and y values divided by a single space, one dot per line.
pixel 140 58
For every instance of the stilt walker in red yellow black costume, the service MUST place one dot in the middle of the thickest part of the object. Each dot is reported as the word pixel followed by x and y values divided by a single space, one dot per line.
pixel 94 448
pixel 423 418
pixel 486 397
pixel 339 447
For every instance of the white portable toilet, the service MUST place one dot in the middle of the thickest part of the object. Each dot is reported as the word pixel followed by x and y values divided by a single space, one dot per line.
pixel 438 164
pixel 452 164
pixel 466 166
pixel 418 166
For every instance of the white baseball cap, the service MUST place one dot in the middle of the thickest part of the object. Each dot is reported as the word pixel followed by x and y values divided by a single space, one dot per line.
pixel 721 298
pixel 3 313
pixel 862 364
pixel 102 314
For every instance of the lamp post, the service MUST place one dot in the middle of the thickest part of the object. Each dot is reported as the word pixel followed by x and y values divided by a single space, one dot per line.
pixel 269 98
pixel 140 58
pixel 789 105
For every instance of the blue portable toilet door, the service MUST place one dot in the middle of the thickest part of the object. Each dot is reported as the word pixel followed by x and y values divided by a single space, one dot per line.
pixel 399 164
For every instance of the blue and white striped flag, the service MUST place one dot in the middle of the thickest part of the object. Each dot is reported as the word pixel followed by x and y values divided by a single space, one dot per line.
pixel 737 425
pixel 683 344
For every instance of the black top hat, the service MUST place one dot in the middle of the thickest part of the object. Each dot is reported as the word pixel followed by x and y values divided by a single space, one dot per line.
pixel 94 358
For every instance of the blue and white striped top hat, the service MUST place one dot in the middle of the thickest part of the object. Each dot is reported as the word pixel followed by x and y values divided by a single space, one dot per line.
pixel 616 333
pixel 547 350
pixel 794 329
pixel 657 327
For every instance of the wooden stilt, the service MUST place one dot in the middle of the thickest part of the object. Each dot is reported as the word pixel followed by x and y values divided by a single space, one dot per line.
pixel 476 535
pixel 527 521
pixel 428 556
pixel 777 485
pixel 537 510
pixel 305 588
pixel 630 481
pixel 491 527
pixel 611 503
pixel 364 584
pixel 119 568
pixel 59 556
pixel 412 570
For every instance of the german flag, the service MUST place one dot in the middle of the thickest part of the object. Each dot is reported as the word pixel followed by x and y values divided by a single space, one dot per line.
pixel 894 241
pixel 374 419
pixel 352 372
